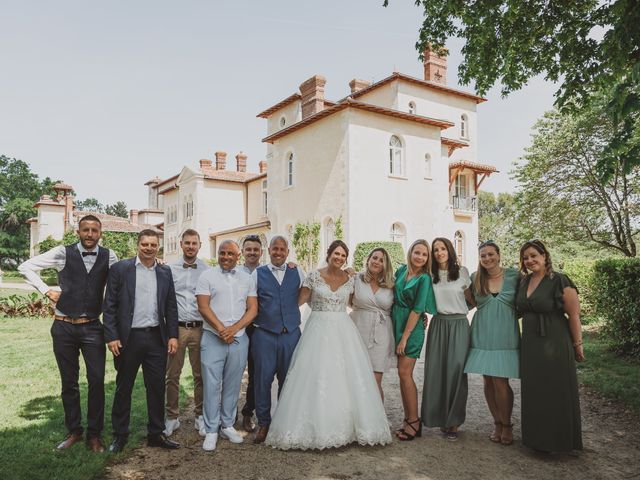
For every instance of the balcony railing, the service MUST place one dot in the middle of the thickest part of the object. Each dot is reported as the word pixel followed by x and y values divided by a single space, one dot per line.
pixel 468 204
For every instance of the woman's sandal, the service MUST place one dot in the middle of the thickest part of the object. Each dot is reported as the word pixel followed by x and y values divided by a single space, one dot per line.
pixel 401 429
pixel 406 436
pixel 496 437
pixel 508 440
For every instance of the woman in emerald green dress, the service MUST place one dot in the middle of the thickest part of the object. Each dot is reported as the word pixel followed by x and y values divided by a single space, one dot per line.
pixel 413 296
pixel 551 344
pixel 495 337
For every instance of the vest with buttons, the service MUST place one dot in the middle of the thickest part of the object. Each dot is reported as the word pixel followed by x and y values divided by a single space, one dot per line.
pixel 278 304
pixel 82 292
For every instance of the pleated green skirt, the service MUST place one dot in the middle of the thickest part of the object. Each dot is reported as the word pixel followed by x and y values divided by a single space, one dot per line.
pixel 444 394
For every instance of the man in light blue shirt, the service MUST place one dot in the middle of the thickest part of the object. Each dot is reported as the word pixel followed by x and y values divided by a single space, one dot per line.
pixel 227 300
pixel 186 271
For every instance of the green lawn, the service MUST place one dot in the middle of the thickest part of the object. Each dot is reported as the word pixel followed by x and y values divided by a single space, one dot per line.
pixel 615 377
pixel 31 417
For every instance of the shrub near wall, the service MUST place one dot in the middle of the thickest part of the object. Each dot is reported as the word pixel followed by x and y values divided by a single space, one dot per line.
pixel 581 272
pixel 395 250
pixel 617 300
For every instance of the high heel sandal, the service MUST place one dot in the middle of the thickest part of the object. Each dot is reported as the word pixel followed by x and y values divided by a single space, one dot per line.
pixel 406 436
pixel 508 441
pixel 496 437
pixel 401 429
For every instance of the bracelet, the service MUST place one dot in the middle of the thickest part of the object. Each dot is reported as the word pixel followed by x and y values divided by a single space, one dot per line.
pixel 577 344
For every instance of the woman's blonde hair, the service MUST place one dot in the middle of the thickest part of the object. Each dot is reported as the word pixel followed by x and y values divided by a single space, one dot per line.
pixel 481 280
pixel 385 279
pixel 427 266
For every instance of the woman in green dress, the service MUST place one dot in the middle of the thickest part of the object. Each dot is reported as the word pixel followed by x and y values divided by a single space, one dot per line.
pixel 413 296
pixel 495 337
pixel 551 344
pixel 444 395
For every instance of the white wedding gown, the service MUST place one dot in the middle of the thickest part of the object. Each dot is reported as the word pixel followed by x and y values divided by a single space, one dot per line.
pixel 330 397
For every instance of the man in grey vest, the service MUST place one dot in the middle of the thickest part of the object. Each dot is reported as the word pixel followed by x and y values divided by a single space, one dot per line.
pixel 82 274
pixel 277 327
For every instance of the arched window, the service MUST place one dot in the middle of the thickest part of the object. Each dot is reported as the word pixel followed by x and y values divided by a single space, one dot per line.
pixel 412 107
pixel 458 244
pixel 396 166
pixel 189 206
pixel 464 126
pixel 289 171
pixel 427 166
pixel 265 203
pixel 398 234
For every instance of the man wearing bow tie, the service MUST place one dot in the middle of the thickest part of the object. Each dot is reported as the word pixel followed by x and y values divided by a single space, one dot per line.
pixel 186 271
pixel 82 274
pixel 227 301
pixel 277 327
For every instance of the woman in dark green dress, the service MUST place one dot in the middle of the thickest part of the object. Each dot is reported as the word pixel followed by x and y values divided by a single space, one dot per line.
pixel 413 296
pixel 551 344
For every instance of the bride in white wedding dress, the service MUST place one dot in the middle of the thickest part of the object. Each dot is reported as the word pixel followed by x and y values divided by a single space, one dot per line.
pixel 330 397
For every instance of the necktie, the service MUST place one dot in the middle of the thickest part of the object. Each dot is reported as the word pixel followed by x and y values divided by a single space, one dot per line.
pixel 232 271
pixel 89 254
pixel 189 265
pixel 281 268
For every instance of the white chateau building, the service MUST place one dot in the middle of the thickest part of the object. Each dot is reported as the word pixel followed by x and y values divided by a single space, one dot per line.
pixel 394 160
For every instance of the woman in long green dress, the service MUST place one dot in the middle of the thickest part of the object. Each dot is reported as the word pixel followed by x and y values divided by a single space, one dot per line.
pixel 551 344
pixel 413 296
pixel 444 395
pixel 495 337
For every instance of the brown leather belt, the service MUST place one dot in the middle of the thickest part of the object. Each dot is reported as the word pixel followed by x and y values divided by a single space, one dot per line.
pixel 74 321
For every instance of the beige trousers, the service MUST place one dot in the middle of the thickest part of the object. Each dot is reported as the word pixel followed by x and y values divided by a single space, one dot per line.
pixel 188 338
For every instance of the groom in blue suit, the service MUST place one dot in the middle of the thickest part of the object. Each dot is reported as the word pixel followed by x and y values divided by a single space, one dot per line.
pixel 277 327
pixel 140 316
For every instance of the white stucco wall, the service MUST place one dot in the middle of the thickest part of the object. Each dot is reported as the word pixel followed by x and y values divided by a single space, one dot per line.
pixel 384 96
pixel 50 222
pixel 255 212
pixel 292 113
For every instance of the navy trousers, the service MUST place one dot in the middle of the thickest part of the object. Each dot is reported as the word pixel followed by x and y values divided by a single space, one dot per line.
pixel 272 354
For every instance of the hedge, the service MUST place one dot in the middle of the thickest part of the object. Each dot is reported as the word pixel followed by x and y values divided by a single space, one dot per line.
pixel 581 272
pixel 395 250
pixel 617 301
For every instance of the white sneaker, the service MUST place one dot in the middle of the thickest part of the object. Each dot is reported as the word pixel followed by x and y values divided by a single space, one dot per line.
pixel 210 441
pixel 171 426
pixel 231 434
pixel 202 431
pixel 199 423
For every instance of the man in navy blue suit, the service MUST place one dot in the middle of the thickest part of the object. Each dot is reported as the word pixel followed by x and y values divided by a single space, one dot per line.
pixel 140 317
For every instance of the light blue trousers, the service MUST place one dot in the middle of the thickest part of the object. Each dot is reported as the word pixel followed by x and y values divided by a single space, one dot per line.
pixel 222 369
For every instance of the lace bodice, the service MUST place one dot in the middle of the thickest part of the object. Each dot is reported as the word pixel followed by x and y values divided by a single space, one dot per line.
pixel 323 299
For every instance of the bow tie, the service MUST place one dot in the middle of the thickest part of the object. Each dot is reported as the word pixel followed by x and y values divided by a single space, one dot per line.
pixel 89 254
pixel 189 265
pixel 281 268
pixel 232 271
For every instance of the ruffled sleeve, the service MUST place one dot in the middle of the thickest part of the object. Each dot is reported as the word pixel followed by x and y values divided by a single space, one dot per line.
pixel 425 298
pixel 311 279
pixel 562 281
pixel 464 276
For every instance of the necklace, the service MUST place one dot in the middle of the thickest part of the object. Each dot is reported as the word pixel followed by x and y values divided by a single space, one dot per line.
pixel 497 275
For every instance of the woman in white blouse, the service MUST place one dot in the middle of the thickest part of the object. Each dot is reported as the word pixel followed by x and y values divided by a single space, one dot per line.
pixel 444 395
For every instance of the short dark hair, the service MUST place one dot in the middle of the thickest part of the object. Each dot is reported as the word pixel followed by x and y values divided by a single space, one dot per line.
pixel 89 218
pixel 335 244
pixel 252 238
pixel 147 232
pixel 189 232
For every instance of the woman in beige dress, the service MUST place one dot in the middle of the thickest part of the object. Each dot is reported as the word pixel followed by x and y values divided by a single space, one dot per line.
pixel 371 302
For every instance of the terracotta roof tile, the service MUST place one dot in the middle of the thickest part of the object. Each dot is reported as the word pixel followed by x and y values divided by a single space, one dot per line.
pixel 229 175
pixel 244 228
pixel 291 98
pixel 111 223
pixel 478 167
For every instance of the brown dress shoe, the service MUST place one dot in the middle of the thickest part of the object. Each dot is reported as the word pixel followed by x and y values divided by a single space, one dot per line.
pixel 69 441
pixel 261 435
pixel 95 444
pixel 247 423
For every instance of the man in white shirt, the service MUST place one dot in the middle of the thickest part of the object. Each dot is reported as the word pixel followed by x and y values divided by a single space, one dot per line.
pixel 82 274
pixel 186 271
pixel 227 301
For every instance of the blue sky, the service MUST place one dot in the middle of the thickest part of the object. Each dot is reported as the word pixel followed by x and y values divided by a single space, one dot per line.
pixel 106 95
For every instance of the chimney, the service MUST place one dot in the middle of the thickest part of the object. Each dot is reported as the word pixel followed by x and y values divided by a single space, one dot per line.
pixel 357 85
pixel 68 210
pixel 133 216
pixel 263 166
pixel 205 164
pixel 221 160
pixel 435 66
pixel 312 92
pixel 241 159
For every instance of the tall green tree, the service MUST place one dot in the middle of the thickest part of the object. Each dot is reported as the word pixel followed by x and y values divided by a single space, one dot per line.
pixel 20 188
pixel 588 46
pixel 497 221
pixel 89 205
pixel 561 193
pixel 118 209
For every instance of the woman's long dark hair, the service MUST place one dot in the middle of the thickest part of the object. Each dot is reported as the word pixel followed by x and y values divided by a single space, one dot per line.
pixel 453 267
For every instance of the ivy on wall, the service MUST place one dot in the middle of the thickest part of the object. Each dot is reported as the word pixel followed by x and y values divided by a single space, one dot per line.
pixel 306 242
